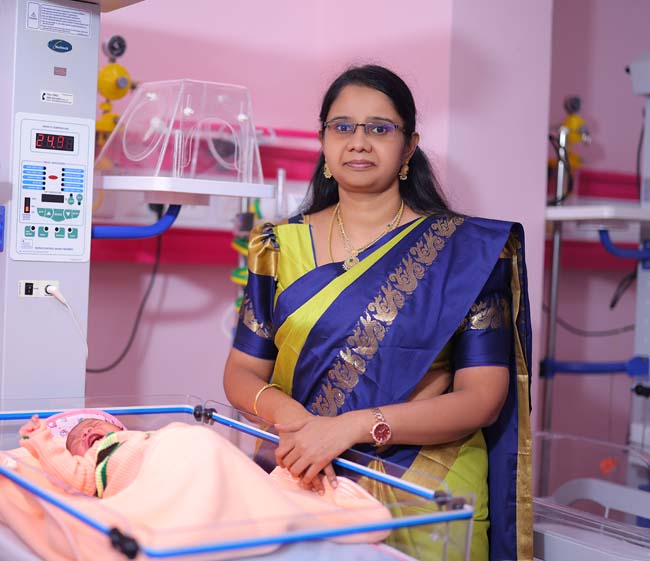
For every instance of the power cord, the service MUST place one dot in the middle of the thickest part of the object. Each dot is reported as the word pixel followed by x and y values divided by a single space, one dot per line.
pixel 622 286
pixel 590 333
pixel 54 291
pixel 630 278
pixel 138 317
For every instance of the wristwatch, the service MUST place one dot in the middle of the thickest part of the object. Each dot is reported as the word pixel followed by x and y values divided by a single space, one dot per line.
pixel 380 431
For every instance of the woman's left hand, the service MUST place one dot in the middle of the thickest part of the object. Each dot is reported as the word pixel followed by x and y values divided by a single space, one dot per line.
pixel 309 446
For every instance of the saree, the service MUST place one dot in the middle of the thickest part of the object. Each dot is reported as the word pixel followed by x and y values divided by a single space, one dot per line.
pixel 441 290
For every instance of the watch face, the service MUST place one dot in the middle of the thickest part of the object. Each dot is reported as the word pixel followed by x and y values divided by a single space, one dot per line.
pixel 381 433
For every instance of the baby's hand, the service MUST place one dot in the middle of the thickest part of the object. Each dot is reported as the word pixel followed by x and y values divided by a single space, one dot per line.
pixel 30 426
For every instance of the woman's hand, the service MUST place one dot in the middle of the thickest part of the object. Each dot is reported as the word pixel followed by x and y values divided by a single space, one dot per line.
pixel 309 445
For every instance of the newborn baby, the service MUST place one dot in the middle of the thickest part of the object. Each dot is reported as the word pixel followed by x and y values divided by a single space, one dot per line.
pixel 82 437
pixel 99 456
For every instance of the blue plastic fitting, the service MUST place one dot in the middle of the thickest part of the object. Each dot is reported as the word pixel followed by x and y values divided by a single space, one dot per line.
pixel 137 232
pixel 638 254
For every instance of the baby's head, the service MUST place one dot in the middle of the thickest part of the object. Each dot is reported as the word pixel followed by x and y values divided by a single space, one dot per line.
pixel 81 438
pixel 83 427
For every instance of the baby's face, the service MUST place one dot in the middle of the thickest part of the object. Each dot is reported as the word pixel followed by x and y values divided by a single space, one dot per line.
pixel 86 433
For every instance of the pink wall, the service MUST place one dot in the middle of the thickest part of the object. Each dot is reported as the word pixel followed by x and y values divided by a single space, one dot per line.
pixel 500 81
pixel 595 406
pixel 286 52
pixel 593 42
pixel 472 81
pixel 480 74
pixel 269 64
pixel 180 347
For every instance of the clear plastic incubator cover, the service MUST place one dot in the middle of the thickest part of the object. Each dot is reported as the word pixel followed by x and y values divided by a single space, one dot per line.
pixel 592 501
pixel 418 521
pixel 185 129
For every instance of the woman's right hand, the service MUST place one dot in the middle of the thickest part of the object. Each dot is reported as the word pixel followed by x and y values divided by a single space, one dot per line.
pixel 290 417
pixel 244 375
pixel 308 447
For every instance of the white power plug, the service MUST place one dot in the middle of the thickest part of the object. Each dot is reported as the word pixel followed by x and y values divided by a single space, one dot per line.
pixel 53 290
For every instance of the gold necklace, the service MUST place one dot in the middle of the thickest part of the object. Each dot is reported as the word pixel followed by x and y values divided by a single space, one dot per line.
pixel 354 253
pixel 329 235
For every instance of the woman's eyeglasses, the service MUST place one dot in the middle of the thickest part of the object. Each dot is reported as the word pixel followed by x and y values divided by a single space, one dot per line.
pixel 375 130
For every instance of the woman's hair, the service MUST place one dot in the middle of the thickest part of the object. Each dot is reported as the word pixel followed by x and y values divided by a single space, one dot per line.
pixel 421 191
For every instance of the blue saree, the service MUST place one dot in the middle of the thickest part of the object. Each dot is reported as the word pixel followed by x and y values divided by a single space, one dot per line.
pixel 441 291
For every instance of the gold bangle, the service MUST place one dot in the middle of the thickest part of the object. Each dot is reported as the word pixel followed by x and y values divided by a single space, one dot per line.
pixel 259 393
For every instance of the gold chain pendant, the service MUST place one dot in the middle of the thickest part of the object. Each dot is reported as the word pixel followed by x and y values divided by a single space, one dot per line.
pixel 354 253
pixel 350 262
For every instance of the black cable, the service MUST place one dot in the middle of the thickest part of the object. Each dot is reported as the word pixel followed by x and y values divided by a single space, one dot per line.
pixel 623 285
pixel 138 316
pixel 556 146
pixel 586 333
pixel 638 152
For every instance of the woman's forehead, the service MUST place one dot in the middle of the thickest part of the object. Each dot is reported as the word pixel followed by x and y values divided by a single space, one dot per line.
pixel 362 102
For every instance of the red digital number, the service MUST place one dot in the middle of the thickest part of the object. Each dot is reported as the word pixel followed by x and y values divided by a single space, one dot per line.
pixel 39 139
pixel 59 142
pixel 50 141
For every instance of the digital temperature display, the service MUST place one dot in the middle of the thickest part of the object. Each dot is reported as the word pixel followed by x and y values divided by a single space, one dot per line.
pixel 47 141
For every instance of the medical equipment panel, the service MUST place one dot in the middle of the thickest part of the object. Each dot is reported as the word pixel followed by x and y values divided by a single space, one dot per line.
pixel 49 57
pixel 53 171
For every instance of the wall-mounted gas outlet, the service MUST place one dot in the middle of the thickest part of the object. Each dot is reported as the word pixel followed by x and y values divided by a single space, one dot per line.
pixel 36 288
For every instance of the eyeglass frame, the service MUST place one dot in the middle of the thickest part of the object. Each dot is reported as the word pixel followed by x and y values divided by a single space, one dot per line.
pixel 400 128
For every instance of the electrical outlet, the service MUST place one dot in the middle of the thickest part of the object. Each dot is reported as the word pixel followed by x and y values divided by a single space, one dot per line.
pixel 36 288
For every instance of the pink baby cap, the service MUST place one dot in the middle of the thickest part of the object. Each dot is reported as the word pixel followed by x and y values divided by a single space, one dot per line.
pixel 62 423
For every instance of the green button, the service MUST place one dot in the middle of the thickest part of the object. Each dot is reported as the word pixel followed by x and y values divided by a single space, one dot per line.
pixel 29 233
pixel 67 213
pixel 41 212
pixel 58 215
pixel 73 233
pixel 79 197
pixel 59 232
pixel 42 232
pixel 70 200
pixel 49 212
pixel 75 213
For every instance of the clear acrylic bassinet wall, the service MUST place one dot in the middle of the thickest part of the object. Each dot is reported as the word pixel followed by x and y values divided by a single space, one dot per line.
pixel 181 133
pixel 596 504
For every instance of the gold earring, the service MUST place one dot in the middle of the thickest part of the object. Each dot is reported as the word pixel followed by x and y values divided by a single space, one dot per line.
pixel 404 171
pixel 326 171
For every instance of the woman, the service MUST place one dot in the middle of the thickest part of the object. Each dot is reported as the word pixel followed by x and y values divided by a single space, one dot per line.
pixel 382 318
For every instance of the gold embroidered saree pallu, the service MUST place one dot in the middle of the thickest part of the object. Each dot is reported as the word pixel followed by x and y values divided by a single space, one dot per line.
pixel 345 340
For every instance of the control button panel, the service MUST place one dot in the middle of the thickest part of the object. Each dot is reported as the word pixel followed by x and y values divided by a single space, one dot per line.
pixel 52 188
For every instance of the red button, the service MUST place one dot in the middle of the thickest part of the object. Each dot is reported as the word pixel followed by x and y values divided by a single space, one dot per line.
pixel 53 177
